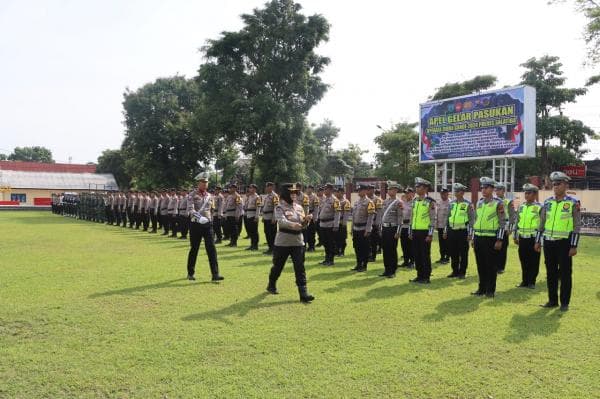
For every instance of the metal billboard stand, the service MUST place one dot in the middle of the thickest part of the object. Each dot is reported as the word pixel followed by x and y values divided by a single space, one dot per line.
pixel 441 175
pixel 504 168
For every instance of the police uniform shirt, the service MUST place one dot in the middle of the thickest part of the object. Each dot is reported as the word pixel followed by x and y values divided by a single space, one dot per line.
pixel 199 204
pixel 533 209
pixel 233 205
pixel 218 204
pixel 346 211
pixel 313 204
pixel 287 215
pixel 417 207
pixel 270 202
pixel 443 209
pixel 406 211
pixel 510 213
pixel 132 201
pixel 329 212
pixel 251 205
pixel 363 213
pixel 569 207
pixel 378 209
pixel 172 205
pixel 499 213
pixel 464 205
pixel 392 213
pixel 182 205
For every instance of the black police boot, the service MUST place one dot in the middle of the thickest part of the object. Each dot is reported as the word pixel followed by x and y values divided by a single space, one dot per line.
pixel 272 288
pixel 304 295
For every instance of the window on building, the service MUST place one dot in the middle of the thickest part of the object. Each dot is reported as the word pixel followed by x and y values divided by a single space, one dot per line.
pixel 18 197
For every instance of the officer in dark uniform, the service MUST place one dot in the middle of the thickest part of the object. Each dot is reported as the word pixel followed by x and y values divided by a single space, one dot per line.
pixel 289 241
pixel 199 207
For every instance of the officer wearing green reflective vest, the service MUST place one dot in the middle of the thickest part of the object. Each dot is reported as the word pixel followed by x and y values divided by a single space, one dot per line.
pixel 421 228
pixel 457 231
pixel 526 227
pixel 509 215
pixel 560 221
pixel 488 235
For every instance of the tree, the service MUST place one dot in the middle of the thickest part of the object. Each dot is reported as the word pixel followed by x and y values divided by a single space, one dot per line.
pixel 226 162
pixel 325 133
pixel 546 76
pixel 259 83
pixel 3 157
pixel 161 147
pixel 31 154
pixel 398 156
pixel 112 161
pixel 477 84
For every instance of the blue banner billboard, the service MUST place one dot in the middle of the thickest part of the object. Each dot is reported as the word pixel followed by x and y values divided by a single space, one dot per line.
pixel 495 124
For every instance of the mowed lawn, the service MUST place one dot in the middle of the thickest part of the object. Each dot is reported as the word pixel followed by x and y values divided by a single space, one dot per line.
pixel 89 310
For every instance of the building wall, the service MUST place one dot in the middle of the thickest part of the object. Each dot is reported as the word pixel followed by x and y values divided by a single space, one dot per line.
pixel 29 193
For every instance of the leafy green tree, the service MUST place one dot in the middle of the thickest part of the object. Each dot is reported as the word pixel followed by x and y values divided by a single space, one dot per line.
pixel 259 83
pixel 477 84
pixel 112 161
pixel 325 134
pixel 226 162
pixel 161 147
pixel 31 154
pixel 3 157
pixel 398 156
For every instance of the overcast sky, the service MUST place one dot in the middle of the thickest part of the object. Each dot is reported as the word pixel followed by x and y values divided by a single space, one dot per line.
pixel 65 64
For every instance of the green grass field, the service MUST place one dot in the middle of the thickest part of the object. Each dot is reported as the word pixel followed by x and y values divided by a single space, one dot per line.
pixel 89 310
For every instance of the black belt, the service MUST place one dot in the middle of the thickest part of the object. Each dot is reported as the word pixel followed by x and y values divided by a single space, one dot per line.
pixel 267 212
pixel 163 209
pixel 230 210
pixel 360 224
pixel 389 225
pixel 326 220
pixel 289 231
pixel 406 221
pixel 253 209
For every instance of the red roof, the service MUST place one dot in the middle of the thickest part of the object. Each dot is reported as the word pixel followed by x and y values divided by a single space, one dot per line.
pixel 46 167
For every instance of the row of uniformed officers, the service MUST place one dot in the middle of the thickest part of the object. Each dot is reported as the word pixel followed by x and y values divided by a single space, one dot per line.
pixel 293 219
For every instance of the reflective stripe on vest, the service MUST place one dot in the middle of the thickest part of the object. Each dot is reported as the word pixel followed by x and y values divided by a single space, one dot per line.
pixel 420 215
pixel 529 218
pixel 487 222
pixel 459 215
pixel 559 219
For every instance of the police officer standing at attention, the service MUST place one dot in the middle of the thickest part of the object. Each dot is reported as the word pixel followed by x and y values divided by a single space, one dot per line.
pixel 443 207
pixel 267 211
pixel 527 225
pixel 489 230
pixel 363 213
pixel 422 225
pixel 459 224
pixel 233 211
pixel 560 222
pixel 391 223
pixel 329 223
pixel 405 243
pixel 253 205
pixel 509 215
pixel 199 207
pixel 345 214
pixel 375 237
pixel 312 206
pixel 183 219
pixel 217 215
pixel 289 241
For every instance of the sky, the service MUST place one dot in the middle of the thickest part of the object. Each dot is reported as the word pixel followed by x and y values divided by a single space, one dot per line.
pixel 64 64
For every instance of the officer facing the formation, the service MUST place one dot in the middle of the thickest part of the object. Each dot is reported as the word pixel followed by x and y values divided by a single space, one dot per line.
pixel 405 242
pixel 289 241
pixel 329 223
pixel 443 207
pixel 199 207
pixel 560 222
pixel 267 211
pixel 391 223
pixel 422 225
pixel 363 213
pixel 458 230
pixel 488 237
pixel 345 213
pixel 527 225
pixel 509 215
pixel 252 207
pixel 233 211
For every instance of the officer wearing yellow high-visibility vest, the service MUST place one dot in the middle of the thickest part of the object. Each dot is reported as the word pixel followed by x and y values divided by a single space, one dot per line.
pixel 509 215
pixel 488 234
pixel 422 225
pixel 527 223
pixel 560 222
pixel 459 224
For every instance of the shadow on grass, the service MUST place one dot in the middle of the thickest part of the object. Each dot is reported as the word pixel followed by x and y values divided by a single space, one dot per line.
pixel 454 307
pixel 240 309
pixel 543 322
pixel 142 288
pixel 513 295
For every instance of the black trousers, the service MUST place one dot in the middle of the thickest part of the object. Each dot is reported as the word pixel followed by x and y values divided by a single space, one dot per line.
pixel 340 239
pixel 145 219
pixel 136 217
pixel 153 219
pixel 422 252
pixel 309 234
pixel 117 216
pixel 318 232
pixel 251 224
pixel 389 246
pixel 240 222
pixel 173 225
pixel 530 260
pixel 226 228
pixel 361 247
pixel 487 263
pixel 183 222
pixel 458 247
pixel 280 256
pixel 166 223
pixel 375 242
pixel 124 217
pixel 107 214
pixel 328 241
pixel 502 253
pixel 232 223
pixel 444 249
pixel 270 229
pixel 559 266
pixel 198 232
pixel 217 228
pixel 406 245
